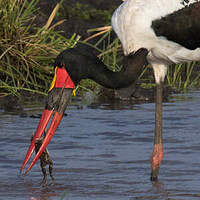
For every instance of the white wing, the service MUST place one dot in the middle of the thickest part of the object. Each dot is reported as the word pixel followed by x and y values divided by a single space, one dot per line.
pixel 132 22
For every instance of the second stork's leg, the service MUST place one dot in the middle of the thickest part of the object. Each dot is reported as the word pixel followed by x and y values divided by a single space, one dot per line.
pixel 157 154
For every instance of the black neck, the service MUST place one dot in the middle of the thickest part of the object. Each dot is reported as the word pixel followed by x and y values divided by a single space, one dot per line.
pixel 82 63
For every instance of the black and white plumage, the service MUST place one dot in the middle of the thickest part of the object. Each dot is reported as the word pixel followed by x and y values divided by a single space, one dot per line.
pixel 181 27
pixel 169 30
pixel 132 22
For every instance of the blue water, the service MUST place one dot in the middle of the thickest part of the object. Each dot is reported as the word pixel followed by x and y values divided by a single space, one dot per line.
pixel 102 152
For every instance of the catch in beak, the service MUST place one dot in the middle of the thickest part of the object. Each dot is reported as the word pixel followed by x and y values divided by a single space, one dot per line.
pixel 58 98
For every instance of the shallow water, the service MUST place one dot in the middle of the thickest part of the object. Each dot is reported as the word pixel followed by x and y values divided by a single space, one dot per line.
pixel 102 152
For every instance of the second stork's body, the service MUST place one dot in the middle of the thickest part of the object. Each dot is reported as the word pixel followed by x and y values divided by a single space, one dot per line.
pixel 169 30
pixel 133 22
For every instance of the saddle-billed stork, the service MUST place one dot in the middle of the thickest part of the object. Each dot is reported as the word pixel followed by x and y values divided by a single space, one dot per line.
pixel 162 31
pixel 169 29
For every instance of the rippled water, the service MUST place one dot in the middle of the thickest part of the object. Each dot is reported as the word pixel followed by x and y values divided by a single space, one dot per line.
pixel 102 152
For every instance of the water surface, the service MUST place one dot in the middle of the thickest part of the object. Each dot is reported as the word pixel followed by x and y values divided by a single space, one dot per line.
pixel 102 152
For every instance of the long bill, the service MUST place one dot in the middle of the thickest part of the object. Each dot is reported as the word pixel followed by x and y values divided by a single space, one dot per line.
pixel 57 101
pixel 51 131
pixel 46 115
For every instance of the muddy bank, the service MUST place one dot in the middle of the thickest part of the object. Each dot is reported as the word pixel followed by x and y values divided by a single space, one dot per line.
pixel 134 94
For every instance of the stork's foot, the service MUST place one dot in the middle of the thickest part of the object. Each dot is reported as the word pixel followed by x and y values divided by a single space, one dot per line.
pixel 156 159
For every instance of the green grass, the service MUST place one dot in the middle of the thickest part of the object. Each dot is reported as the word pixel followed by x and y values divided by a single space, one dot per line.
pixel 86 12
pixel 184 76
pixel 27 53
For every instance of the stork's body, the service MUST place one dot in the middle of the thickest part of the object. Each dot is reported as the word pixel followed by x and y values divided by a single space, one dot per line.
pixel 140 24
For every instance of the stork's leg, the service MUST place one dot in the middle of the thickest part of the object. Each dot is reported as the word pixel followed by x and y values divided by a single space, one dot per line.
pixel 157 154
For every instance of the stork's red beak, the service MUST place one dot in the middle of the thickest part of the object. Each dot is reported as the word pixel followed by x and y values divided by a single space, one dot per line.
pixel 46 115
pixel 54 124
pixel 57 101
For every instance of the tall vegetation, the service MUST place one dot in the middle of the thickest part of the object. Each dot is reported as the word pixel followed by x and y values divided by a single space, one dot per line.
pixel 26 51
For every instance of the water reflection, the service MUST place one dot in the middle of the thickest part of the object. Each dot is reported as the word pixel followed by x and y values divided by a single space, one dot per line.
pixel 102 152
